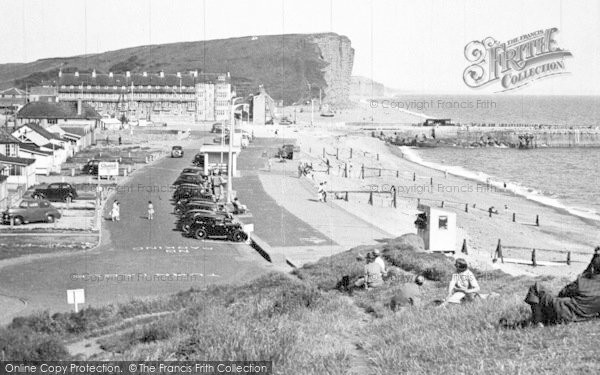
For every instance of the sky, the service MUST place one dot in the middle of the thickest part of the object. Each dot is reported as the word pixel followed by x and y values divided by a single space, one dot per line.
pixel 414 46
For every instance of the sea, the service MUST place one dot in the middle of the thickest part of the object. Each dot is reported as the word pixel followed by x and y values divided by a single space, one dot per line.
pixel 565 178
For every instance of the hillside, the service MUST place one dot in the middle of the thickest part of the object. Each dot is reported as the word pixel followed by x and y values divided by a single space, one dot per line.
pixel 305 323
pixel 287 65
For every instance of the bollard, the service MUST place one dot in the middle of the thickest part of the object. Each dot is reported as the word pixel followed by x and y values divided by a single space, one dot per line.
pixel 350 152
pixel 72 172
pixel 414 176
pixel 378 156
pixel 514 217
pixel 537 220
pixel 431 181
pixel 533 260
pixel 466 207
pixel 371 198
pixel 397 174
pixel 490 211
pixel 379 172
pixel 499 251
pixel 464 247
pixel 418 202
pixel 346 198
pixel 362 172
pixel 442 204
pixel 323 152
pixel 569 258
pixel 395 200
pixel 337 153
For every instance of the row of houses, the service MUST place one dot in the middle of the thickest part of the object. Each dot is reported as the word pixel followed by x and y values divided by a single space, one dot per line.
pixel 43 136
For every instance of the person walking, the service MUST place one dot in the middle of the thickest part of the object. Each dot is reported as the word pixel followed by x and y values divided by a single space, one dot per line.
pixel 150 211
pixel 115 213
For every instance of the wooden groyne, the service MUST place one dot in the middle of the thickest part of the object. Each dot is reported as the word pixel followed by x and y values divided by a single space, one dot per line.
pixel 531 137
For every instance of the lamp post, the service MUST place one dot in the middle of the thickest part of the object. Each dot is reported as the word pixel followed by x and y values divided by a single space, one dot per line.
pixel 230 158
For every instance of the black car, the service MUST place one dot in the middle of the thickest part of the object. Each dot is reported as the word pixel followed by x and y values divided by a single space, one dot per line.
pixel 198 160
pixel 286 152
pixel 197 205
pixel 189 178
pixel 195 216
pixel 187 191
pixel 177 152
pixel 56 192
pixel 31 211
pixel 193 170
pixel 218 226
pixel 91 167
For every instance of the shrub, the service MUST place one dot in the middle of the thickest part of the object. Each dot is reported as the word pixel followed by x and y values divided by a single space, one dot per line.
pixel 408 242
pixel 26 345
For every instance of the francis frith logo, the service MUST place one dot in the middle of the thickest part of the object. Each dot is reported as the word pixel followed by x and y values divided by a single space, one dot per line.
pixel 515 63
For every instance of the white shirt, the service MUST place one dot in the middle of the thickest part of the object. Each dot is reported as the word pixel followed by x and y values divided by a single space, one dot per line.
pixel 381 262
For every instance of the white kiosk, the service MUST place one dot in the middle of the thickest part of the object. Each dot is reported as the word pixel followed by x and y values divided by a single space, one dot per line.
pixel 437 228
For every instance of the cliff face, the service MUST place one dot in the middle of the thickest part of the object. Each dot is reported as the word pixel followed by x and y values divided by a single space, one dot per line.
pixel 337 52
pixel 292 67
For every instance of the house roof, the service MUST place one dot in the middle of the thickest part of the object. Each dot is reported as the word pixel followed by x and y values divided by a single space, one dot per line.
pixel 13 91
pixel 62 110
pixel 77 130
pixel 137 79
pixel 15 161
pixel 43 91
pixel 41 131
pixel 31 147
pixel 6 137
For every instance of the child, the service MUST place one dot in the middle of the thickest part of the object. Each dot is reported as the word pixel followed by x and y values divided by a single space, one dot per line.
pixel 150 210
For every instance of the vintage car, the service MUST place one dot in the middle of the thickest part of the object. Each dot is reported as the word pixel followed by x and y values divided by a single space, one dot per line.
pixel 56 192
pixel 177 152
pixel 218 226
pixel 30 211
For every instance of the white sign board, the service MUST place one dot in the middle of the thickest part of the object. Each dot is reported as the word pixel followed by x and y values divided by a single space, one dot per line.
pixel 75 297
pixel 108 168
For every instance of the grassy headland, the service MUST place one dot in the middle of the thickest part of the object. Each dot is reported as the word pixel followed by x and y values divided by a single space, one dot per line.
pixel 305 325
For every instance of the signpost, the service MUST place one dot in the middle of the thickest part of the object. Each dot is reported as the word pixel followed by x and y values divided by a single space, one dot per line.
pixel 75 297
pixel 108 168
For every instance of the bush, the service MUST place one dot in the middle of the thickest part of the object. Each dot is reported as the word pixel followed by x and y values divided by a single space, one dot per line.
pixel 26 345
pixel 432 266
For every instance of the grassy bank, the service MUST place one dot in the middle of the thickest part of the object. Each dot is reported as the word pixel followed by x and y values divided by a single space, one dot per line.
pixel 305 325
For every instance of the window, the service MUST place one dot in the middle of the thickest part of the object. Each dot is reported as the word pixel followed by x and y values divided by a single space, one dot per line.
pixel 52 121
pixel 443 222
pixel 15 170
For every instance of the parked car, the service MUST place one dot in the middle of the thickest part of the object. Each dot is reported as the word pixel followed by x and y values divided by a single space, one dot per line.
pixel 177 152
pixel 217 127
pixel 56 192
pixel 198 216
pixel 197 205
pixel 218 226
pixel 188 191
pixel 30 211
pixel 91 167
pixel 188 178
pixel 198 160
pixel 286 151
pixel 180 204
pixel 193 170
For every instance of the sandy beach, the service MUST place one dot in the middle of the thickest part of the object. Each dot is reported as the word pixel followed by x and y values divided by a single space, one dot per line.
pixel 557 233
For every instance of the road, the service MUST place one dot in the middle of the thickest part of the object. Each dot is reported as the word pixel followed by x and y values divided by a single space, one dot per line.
pixel 138 257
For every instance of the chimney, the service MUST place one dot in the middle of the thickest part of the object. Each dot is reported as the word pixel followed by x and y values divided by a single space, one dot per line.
pixel 77 74
pixel 145 74
pixel 110 75
pixel 94 73
pixel 79 107
pixel 162 74
pixel 128 74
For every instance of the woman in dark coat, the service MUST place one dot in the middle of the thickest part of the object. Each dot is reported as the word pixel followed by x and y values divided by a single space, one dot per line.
pixel 578 301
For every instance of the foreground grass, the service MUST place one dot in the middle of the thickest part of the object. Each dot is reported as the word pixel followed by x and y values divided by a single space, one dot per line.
pixel 306 326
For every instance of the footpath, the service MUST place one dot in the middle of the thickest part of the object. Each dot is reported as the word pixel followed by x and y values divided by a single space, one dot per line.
pixel 292 226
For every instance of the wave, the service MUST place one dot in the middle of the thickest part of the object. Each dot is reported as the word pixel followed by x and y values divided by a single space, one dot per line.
pixel 529 193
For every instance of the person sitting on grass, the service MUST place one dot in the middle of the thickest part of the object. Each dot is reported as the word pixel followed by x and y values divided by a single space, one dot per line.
pixel 380 261
pixel 463 285
pixel 373 274
pixel 578 301
pixel 409 294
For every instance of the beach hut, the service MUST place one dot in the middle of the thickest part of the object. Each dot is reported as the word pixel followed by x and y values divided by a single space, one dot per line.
pixel 437 228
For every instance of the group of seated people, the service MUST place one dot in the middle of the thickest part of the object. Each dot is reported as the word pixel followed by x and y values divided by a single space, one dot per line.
pixel 578 301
